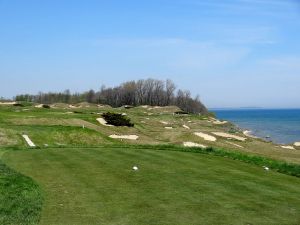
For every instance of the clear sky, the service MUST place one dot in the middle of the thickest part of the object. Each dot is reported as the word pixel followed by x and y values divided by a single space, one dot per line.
pixel 233 53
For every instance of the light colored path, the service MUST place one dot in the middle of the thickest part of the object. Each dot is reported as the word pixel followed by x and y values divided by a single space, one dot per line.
pixel 27 139
pixel 205 136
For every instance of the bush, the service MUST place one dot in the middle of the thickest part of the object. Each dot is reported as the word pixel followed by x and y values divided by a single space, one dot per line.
pixel 46 106
pixel 117 119
pixel 181 113
pixel 18 104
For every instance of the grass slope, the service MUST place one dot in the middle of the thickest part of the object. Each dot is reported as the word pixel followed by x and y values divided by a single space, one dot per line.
pixel 20 198
pixel 98 186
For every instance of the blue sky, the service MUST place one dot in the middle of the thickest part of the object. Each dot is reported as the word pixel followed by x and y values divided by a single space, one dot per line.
pixel 233 53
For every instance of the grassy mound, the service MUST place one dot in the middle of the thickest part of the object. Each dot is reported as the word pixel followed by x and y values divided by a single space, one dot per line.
pixel 20 198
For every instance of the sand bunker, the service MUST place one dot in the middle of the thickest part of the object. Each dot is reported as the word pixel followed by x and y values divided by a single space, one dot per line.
pixel 287 147
pixel 234 144
pixel 225 135
pixel 186 127
pixel 29 142
pixel 169 128
pixel 39 106
pixel 193 144
pixel 129 137
pixel 297 144
pixel 103 122
pixel 205 136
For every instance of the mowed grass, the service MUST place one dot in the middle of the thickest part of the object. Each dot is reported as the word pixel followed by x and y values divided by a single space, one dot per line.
pixel 20 198
pixel 98 186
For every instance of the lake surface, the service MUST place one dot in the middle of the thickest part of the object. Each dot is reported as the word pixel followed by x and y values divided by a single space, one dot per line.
pixel 281 125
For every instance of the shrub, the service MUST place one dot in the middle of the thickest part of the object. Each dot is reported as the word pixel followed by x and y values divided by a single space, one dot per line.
pixel 117 119
pixel 18 104
pixel 46 106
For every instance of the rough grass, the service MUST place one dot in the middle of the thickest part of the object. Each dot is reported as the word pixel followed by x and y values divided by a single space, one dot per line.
pixel 98 186
pixel 20 198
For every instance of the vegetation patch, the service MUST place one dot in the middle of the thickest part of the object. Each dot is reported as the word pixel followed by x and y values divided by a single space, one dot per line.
pixel 117 119
pixel 20 198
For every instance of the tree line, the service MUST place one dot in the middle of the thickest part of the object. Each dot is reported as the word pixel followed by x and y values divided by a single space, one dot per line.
pixel 141 92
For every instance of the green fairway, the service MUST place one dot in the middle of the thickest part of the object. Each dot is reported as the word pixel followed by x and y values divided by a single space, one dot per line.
pixel 98 186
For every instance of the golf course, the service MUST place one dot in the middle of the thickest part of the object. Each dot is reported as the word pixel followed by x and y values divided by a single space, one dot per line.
pixel 78 173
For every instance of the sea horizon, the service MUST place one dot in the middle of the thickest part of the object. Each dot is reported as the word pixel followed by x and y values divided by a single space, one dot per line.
pixel 279 125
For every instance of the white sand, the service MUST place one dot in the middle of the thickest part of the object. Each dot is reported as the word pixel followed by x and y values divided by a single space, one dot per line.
pixel 129 137
pixel 226 135
pixel 205 136
pixel 29 142
pixel 218 122
pixel 234 144
pixel 7 103
pixel 103 122
pixel 186 127
pixel 145 106
pixel 248 133
pixel 73 107
pixel 169 128
pixel 193 144
pixel 297 144
pixel 287 147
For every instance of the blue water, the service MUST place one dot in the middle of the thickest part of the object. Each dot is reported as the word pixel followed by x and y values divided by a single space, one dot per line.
pixel 281 125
